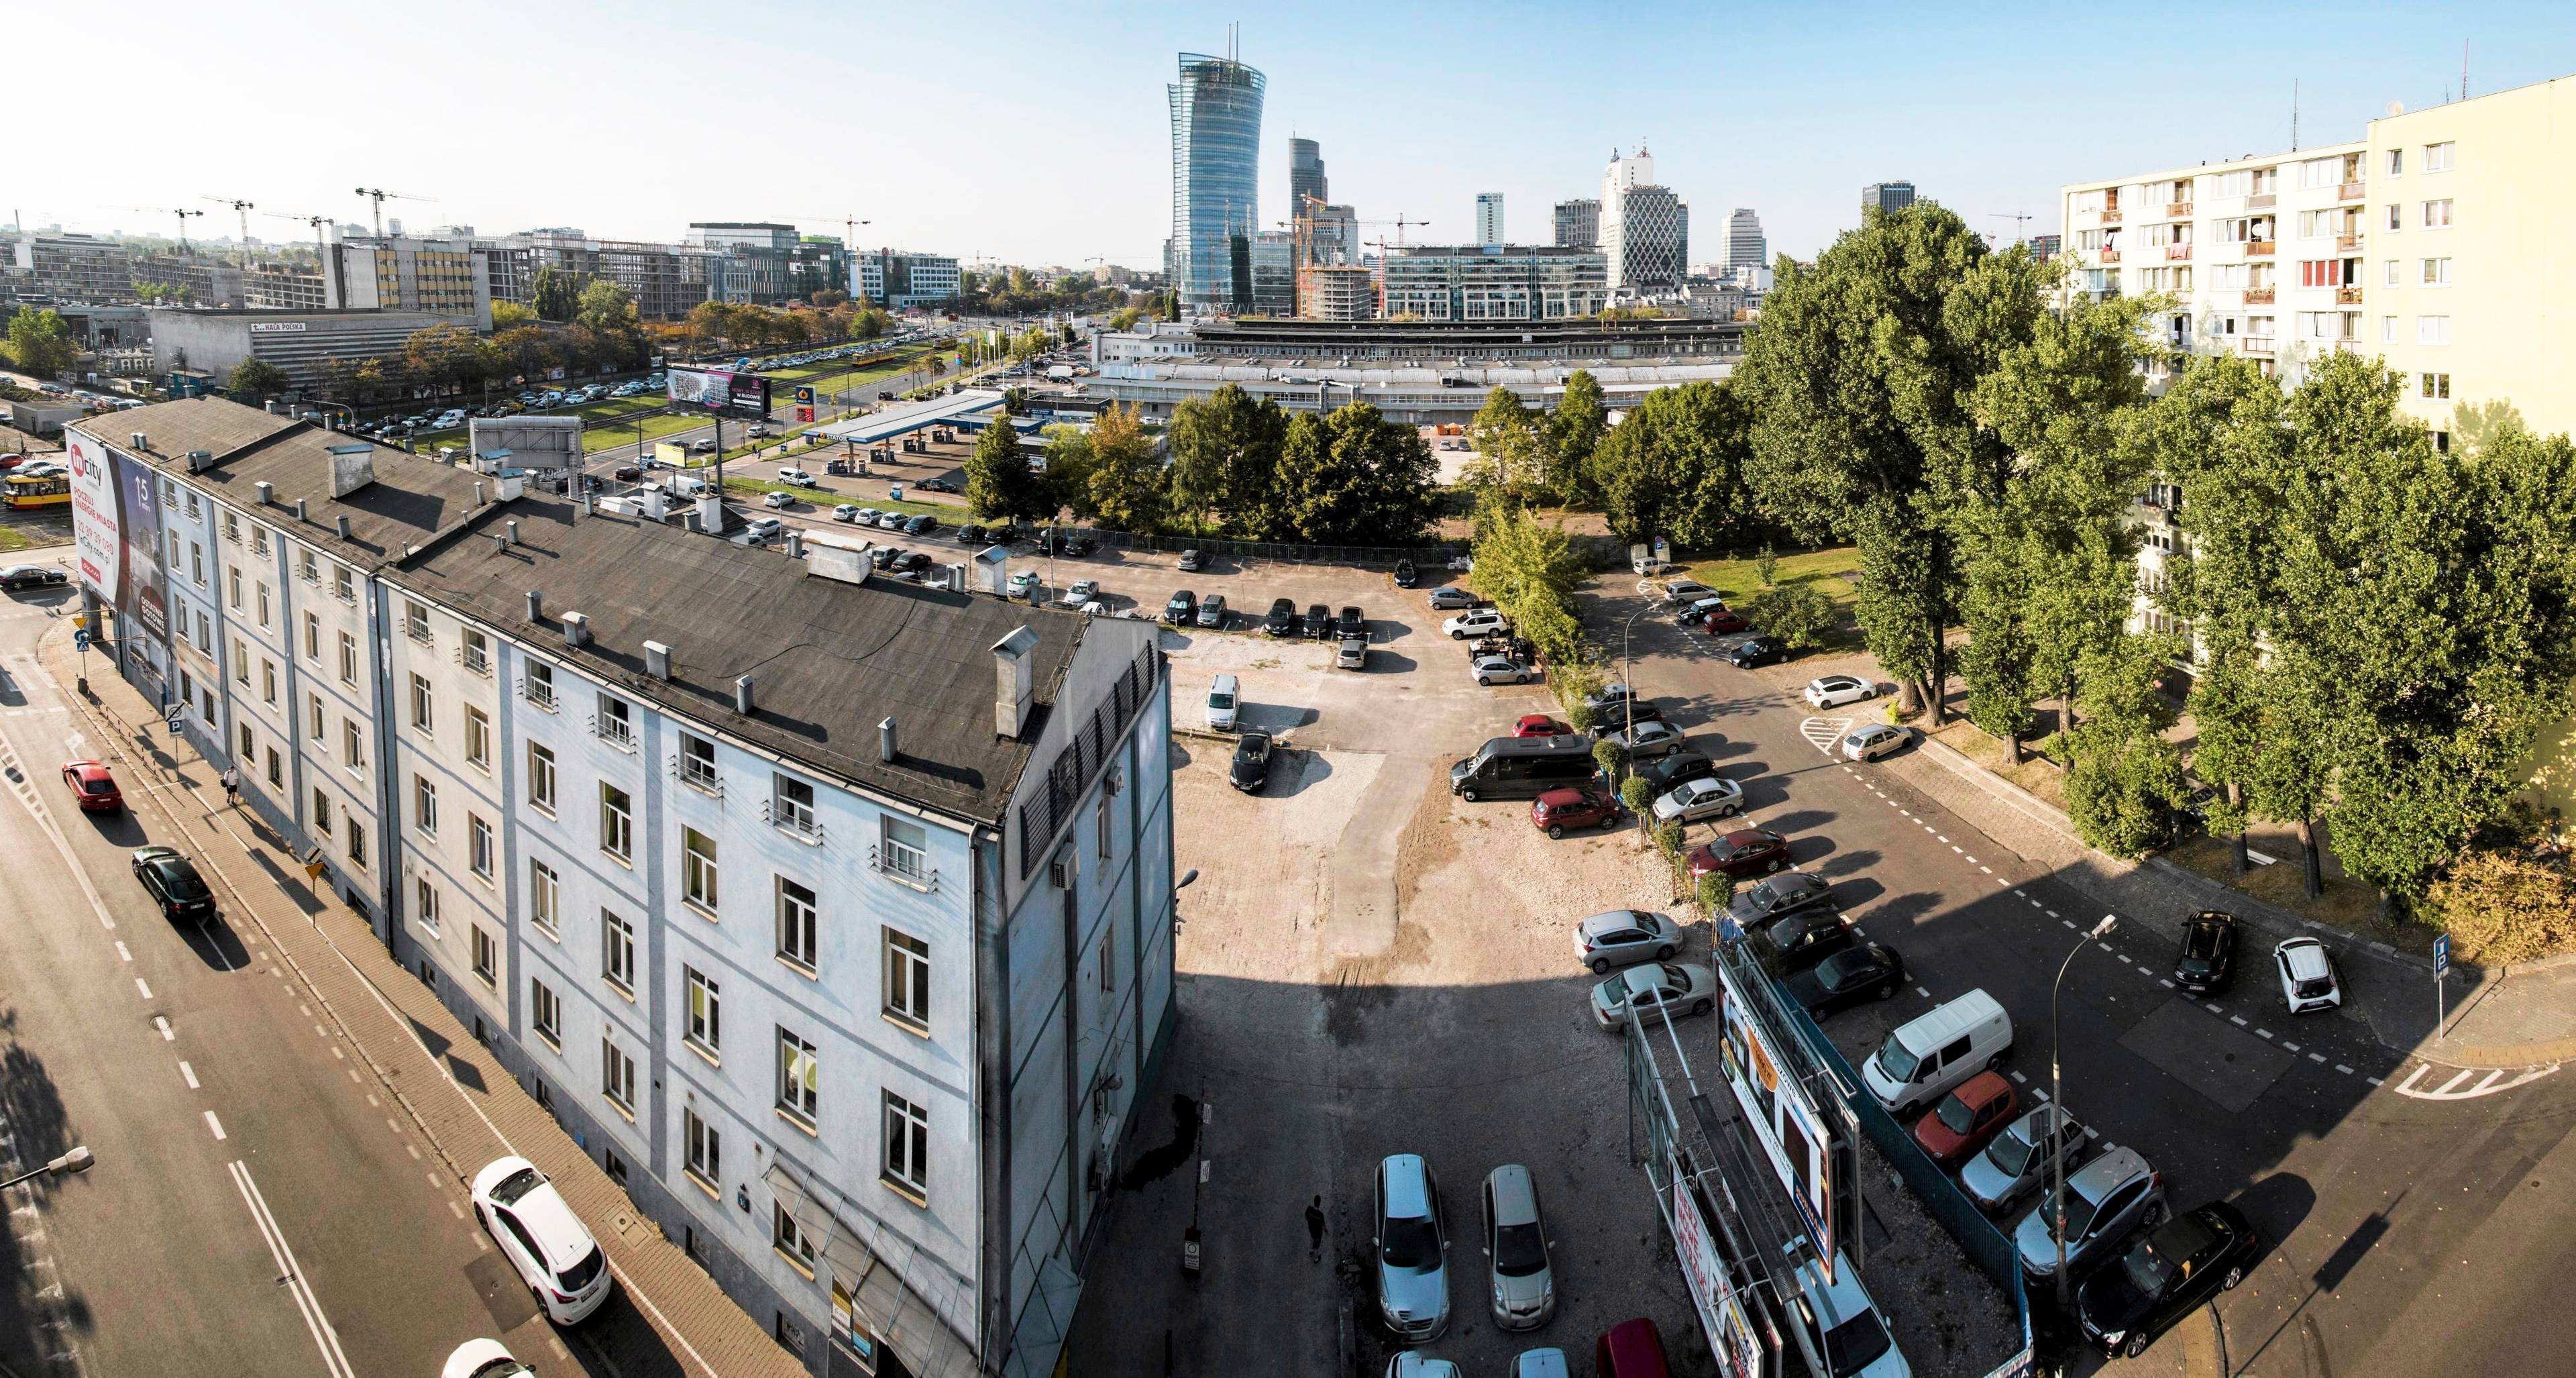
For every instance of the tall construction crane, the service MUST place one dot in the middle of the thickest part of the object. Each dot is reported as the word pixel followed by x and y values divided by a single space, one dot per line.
pixel 380 196
pixel 316 221
pixel 240 208
pixel 183 215
pixel 2019 219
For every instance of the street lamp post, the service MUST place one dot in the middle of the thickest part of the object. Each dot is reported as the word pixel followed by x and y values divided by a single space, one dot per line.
pixel 2057 1104
pixel 78 1160
pixel 1628 681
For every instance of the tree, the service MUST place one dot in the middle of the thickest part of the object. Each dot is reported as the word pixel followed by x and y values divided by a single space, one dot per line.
pixel 1067 478
pixel 1511 457
pixel 608 311
pixel 999 483
pixel 1353 478
pixel 1225 457
pixel 556 296
pixel 828 297
pixel 40 343
pixel 1674 468
pixel 252 379
pixel 2125 782
pixel 1126 482
pixel 1125 318
pixel 509 315
pixel 1574 430
pixel 1798 614
pixel 1530 570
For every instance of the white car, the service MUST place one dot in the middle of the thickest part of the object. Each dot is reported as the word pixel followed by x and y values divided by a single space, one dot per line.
pixel 2309 980
pixel 1833 691
pixel 553 1251
pixel 845 513
pixel 483 1359
pixel 1709 796
pixel 1870 743
pixel 1478 622
pixel 1684 592
pixel 798 477
pixel 1493 670
pixel 764 528
pixel 864 516
pixel 1083 591
pixel 777 498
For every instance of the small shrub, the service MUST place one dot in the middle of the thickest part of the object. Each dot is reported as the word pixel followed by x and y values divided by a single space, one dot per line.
pixel 2504 906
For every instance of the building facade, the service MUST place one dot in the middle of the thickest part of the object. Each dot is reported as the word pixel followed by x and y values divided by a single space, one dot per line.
pixel 1489 219
pixel 899 278
pixel 1274 273
pixel 666 280
pixel 1479 283
pixel 306 345
pixel 73 267
pixel 1336 292
pixel 1216 165
pixel 1886 196
pixel 1578 224
pixel 445 277
pixel 1645 228
pixel 753 261
pixel 1745 245
pixel 1306 181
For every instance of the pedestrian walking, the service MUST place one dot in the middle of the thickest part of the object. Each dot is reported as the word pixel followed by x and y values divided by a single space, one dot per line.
pixel 232 788
pixel 1315 1231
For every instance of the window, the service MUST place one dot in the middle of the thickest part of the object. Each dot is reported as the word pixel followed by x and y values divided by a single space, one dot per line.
pixel 1101 817
pixel 2397 162
pixel 424 805
pixel 415 621
pixel 479 846
pixel 706 1011
pixel 478 738
pixel 791 804
pixel 698 762
pixel 312 637
pixel 425 905
pixel 311 571
pixel 800 1077
pixel 205 634
pixel 904 848
pixel 617 951
pixel 616 721
pixel 705 1149
pixel 258 540
pixel 232 528
pixel 2437 157
pixel 344 584
pixel 313 719
pixel 2437 214
pixel 617 1077
pixel 2397 217
pixel 539 685
pixel 267 680
pixel 796 923
pixel 348 658
pixel 241 663
pixel 487 956
pixel 546 1013
pixel 321 813
pixel 276 769
pixel 907 1147
pixel 349 743
pixel 2437 272
pixel 541 777
pixel 545 895
pixel 423 708
pixel 789 1240
pixel 234 576
pixel 2437 385
pixel 1109 962
pixel 616 822
pixel 907 979
pixel 2432 330
pixel 474 652
pixel 357 838
pixel 263 605
pixel 2388 330
pixel 2389 276
pixel 698 868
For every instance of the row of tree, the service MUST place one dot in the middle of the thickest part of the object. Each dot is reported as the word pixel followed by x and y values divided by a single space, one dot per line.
pixel 740 325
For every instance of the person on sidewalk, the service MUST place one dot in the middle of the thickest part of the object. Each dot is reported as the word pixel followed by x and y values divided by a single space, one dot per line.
pixel 232 788
pixel 1315 1231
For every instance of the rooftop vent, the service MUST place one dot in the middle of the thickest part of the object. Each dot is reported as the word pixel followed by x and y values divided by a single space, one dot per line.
pixel 511 533
pixel 536 606
pixel 267 492
pixel 299 509
pixel 200 461
pixel 795 544
pixel 478 492
pixel 576 629
pixel 1014 682
pixel 993 563
pixel 352 467
pixel 742 695
pixel 140 442
pixel 657 660
pixel 344 527
pixel 885 741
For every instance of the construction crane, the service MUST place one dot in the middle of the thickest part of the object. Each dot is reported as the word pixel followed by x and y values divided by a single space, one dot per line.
pixel 317 222
pixel 380 196
pixel 2019 219
pixel 183 215
pixel 240 208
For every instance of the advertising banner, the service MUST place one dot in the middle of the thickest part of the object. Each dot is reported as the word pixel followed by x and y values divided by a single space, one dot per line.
pixel 1787 1126
pixel 139 591
pixel 94 534
pixel 1701 1267
pixel 717 390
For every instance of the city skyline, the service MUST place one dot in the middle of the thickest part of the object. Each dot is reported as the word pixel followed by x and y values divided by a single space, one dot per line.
pixel 1802 131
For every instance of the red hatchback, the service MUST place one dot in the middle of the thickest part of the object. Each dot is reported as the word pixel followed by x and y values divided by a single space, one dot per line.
pixel 93 786
pixel 1725 622
pixel 1560 810
pixel 1538 725
pixel 1630 1349
pixel 1960 1126
pixel 1744 852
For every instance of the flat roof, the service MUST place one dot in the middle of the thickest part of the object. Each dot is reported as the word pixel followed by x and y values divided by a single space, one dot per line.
pixel 828 659
pixel 913 416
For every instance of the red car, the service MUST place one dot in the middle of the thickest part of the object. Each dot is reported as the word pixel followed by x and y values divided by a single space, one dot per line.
pixel 1744 852
pixel 1725 622
pixel 1558 810
pixel 1959 1127
pixel 93 786
pixel 1539 725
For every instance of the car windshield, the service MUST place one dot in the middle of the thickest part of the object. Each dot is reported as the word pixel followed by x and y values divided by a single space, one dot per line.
pixel 1855 1344
pixel 2200 943
pixel 1519 1250
pixel 509 1189
pixel 1957 1115
pixel 1410 1242
pixel 2147 1270
pixel 101 785
pixel 2013 1150
pixel 1220 700
pixel 579 1275
pixel 1252 749
pixel 2079 1217
pixel 182 881
pixel 1898 1064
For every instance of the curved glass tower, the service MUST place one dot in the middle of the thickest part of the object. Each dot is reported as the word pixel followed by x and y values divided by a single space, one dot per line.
pixel 1216 160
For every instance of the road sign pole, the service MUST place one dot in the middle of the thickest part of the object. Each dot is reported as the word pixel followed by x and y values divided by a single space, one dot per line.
pixel 2441 974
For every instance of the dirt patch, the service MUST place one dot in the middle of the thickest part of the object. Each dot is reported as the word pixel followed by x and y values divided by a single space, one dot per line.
pixel 1428 842
pixel 2346 904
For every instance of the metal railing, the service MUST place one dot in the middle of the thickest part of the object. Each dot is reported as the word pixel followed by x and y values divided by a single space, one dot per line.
pixel 905 865
pixel 474 659
pixel 417 631
pixel 538 693
pixel 617 732
pixel 698 774
pixel 794 819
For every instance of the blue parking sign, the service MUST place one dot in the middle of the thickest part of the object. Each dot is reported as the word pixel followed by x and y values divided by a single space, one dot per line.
pixel 2441 954
pixel 80 638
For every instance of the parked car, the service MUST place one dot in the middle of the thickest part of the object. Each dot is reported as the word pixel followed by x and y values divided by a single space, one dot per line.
pixel 845 513
pixel 1537 725
pixel 2206 963
pixel 1353 622
pixel 2309 978
pixel 1523 1286
pixel 764 528
pixel 1799 942
pixel 1681 988
pixel 2166 1276
pixel 1630 1349
pixel 1413 1363
pixel 1842 1321
pixel 917 562
pixel 891 521
pixel 1212 611
pixel 882 557
pixel 1724 622
pixel 544 1241
pixel 972 535
pixel 2105 1200
pixel 1692 801
pixel 17 577
pixel 1493 670
pixel 1559 811
pixel 920 524
pixel 1189 563
pixel 1681 593
pixel 1353 653
pixel 2016 1163
pixel 1450 596
pixel 1545 1362
pixel 796 476
pixel 1181 609
pixel 1871 971
pixel 1876 740
pixel 1936 1050
pixel 1744 852
pixel 1613 717
pixel 173 883
pixel 1319 622
pixel 1622 936
pixel 1407 574
pixel 1282 619
pixel 1668 774
pixel 627 473
pixel 1252 752
pixel 1786 895
pixel 777 498
pixel 483 1359
pixel 1650 737
pixel 92 787
pixel 1757 650
pixel 1833 691
pixel 1411 1238
pixel 1023 585
pixel 1967 1119
pixel 1476 622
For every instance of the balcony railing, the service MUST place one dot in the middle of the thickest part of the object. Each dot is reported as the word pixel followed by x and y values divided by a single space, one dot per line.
pixel 791 817
pixel 538 692
pixel 474 659
pixel 2264 202
pixel 417 631
pixel 699 774
pixel 2256 344
pixel 617 732
pixel 2347 241
pixel 2347 296
pixel 2351 191
pixel 2258 296
pixel 2177 251
pixel 2110 255
pixel 2179 210
pixel 904 864
pixel 2259 248
pixel 2111 215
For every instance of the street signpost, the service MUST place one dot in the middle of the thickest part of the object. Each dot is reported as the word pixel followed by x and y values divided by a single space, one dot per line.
pixel 2441 973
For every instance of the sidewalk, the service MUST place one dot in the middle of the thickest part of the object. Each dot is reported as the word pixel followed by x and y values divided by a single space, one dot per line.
pixel 469 1109
pixel 2513 1018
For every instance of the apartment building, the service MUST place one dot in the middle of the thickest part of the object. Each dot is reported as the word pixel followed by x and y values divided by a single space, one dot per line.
pixel 1495 283
pixel 899 278
pixel 74 267
pixel 446 277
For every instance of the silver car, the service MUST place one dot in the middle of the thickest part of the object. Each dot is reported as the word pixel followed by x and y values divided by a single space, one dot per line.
pixel 1516 1242
pixel 1709 796
pixel 1655 738
pixel 1622 936
pixel 1681 987
pixel 1870 743
pixel 2105 1200
pixel 2016 1163
pixel 1493 670
pixel 1412 1244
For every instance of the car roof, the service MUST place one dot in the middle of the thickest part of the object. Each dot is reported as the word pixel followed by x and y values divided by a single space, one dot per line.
pixel 1515 1196
pixel 1982 1087
pixel 1615 919
pixel 2307 957
pixel 1408 1186
pixel 2098 1178
pixel 557 1230
pixel 1746 837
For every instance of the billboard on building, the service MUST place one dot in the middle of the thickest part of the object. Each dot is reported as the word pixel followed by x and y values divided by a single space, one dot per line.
pixel 94 533
pixel 1730 1333
pixel 140 594
pixel 719 390
pixel 1785 1122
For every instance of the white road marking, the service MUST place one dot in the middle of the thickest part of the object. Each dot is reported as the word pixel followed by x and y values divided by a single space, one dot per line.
pixel 2038 1094
pixel 2374 1081
pixel 324 1338
pixel 122 955
pixel 1989 870
pixel 1922 992
pixel 2262 1033
pixel 1942 838
pixel 2236 1019
pixel 190 1073
pixel 2491 1084
pixel 1972 861
pixel 335 1052
pixel 2317 1058
pixel 2166 984
pixel 2020 1078
pixel 1955 847
pixel 2293 1047
pixel 138 985
pixel 460 1210
pixel 2091 1133
pixel 2212 1007
pixel 215 1125
pixel 164 1026
pixel 2051 913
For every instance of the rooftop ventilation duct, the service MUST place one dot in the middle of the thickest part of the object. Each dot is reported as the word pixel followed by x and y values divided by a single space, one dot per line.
pixel 139 441
pixel 576 629
pixel 267 493
pixel 478 492
pixel 299 509
pixel 510 531
pixel 536 606
pixel 742 695
pixel 344 528
pixel 1014 682
pixel 657 660
pixel 885 741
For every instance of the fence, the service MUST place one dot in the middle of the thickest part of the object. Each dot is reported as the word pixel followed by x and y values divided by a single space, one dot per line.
pixel 1287 551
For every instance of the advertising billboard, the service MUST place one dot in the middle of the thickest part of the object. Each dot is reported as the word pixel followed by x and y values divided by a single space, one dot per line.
pixel 1785 1122
pixel 94 535
pixel 718 390
pixel 140 595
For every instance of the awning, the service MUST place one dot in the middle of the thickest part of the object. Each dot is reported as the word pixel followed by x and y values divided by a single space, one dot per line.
pixel 886 1301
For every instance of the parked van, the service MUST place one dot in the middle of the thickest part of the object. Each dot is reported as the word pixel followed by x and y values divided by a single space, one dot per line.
pixel 1222 697
pixel 1925 1058
pixel 1523 768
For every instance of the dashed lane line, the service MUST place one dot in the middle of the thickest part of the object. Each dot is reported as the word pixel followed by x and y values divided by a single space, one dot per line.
pixel 215 1125
pixel 190 1073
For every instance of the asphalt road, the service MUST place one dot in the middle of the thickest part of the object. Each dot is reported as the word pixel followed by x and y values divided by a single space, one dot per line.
pixel 257 1206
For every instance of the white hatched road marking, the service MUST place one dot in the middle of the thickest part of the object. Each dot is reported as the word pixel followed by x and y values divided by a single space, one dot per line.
pixel 2492 1083
pixel 1822 733
pixel 324 1338
pixel 215 1125
pixel 164 1026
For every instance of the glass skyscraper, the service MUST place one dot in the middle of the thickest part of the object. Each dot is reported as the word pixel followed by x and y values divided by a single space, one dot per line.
pixel 1216 160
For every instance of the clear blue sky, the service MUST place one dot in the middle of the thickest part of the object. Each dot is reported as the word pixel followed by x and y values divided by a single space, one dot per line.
pixel 1039 133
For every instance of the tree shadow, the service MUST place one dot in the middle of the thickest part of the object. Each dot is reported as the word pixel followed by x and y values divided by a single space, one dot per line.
pixel 38 1312
pixel 1851 863
pixel 1804 820
pixel 1904 909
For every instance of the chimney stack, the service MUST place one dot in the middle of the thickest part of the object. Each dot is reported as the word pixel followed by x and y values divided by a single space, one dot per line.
pixel 299 509
pixel 742 695
pixel 795 544
pixel 885 741
pixel 536 606
pixel 992 564
pixel 657 660
pixel 344 528
pixel 576 629
pixel 478 492
pixel 267 492
pixel 511 528
pixel 139 443
pixel 1014 682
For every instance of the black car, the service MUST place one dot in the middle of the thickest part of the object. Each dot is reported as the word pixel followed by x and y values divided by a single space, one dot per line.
pixel 914 562
pixel 1282 619
pixel 1757 650
pixel 1353 623
pixel 1676 769
pixel 174 884
pixel 31 577
pixel 1182 609
pixel 2166 1276
pixel 1871 971
pixel 1616 717
pixel 627 473
pixel 936 485
pixel 2207 962
pixel 922 525
pixel 1319 622
pixel 1189 562
pixel 1251 762
pixel 1795 944
pixel 1775 898
pixel 1406 574
pixel 1608 697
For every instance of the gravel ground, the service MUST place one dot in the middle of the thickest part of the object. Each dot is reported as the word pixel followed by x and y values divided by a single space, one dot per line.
pixel 1949 1318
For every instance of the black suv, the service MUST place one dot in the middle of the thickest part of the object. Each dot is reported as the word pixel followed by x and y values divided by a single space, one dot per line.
pixel 2207 962
pixel 1676 769
pixel 1319 622
pixel 1757 650
pixel 1282 619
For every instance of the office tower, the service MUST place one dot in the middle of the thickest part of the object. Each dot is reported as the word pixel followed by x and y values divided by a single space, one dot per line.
pixel 1305 176
pixel 1745 247
pixel 1578 224
pixel 1489 219
pixel 1645 227
pixel 1216 161
pixel 1886 196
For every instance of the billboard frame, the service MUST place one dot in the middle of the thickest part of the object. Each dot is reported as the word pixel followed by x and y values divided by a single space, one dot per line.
pixel 744 393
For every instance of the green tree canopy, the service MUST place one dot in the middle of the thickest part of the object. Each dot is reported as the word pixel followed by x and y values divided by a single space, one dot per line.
pixel 1674 468
pixel 252 379
pixel 1574 430
pixel 1126 481
pixel 40 343
pixel 999 482
pixel 1225 457
pixel 555 295
pixel 1353 478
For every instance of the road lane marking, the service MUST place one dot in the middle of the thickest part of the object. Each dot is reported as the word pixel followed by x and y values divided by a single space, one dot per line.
pixel 1972 861
pixel 138 985
pixel 2236 1019
pixel 2212 1007
pixel 122 955
pixel 2343 1069
pixel 2374 1081
pixel 215 1125
pixel 2318 1058
pixel 190 1073
pixel 2262 1033
pixel 1922 992
pixel 1989 870
pixel 2050 912
pixel 460 1210
pixel 1942 838
pixel 292 1276
pixel 2020 1078
pixel 1956 847
pixel 2293 1047
pixel 164 1026
pixel 2166 984
pixel 335 1052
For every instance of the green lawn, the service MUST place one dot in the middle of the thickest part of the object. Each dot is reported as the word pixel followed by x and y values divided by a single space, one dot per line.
pixel 1736 580
pixel 11 538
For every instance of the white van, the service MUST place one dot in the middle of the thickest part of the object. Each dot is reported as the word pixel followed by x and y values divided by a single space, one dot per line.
pixel 1222 696
pixel 1936 1051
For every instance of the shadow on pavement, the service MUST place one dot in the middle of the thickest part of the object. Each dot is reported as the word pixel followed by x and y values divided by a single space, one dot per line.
pixel 37 1310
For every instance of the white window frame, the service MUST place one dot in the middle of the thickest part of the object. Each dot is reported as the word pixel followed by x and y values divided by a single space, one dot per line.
pixel 545 1013
pixel 800 1079
pixel 616 1076
pixel 424 805
pixel 617 951
pixel 482 847
pixel 905 1164
pixel 487 957
pixel 545 898
pixel 799 923
pixel 541 778
pixel 425 904
pixel 616 823
pixel 700 876
pixel 702 1016
pixel 907 979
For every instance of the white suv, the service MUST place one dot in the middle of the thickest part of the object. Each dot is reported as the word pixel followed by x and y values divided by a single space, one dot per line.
pixel 2309 980
pixel 553 1251
pixel 1476 623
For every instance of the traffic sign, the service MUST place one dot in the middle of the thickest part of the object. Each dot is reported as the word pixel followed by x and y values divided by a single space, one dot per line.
pixel 2441 955
pixel 805 396
pixel 80 638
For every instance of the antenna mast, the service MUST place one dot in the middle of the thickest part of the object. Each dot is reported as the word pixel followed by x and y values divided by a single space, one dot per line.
pixel 2294 114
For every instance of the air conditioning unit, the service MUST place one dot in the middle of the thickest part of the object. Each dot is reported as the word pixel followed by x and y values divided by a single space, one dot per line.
pixel 1112 781
pixel 1062 871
